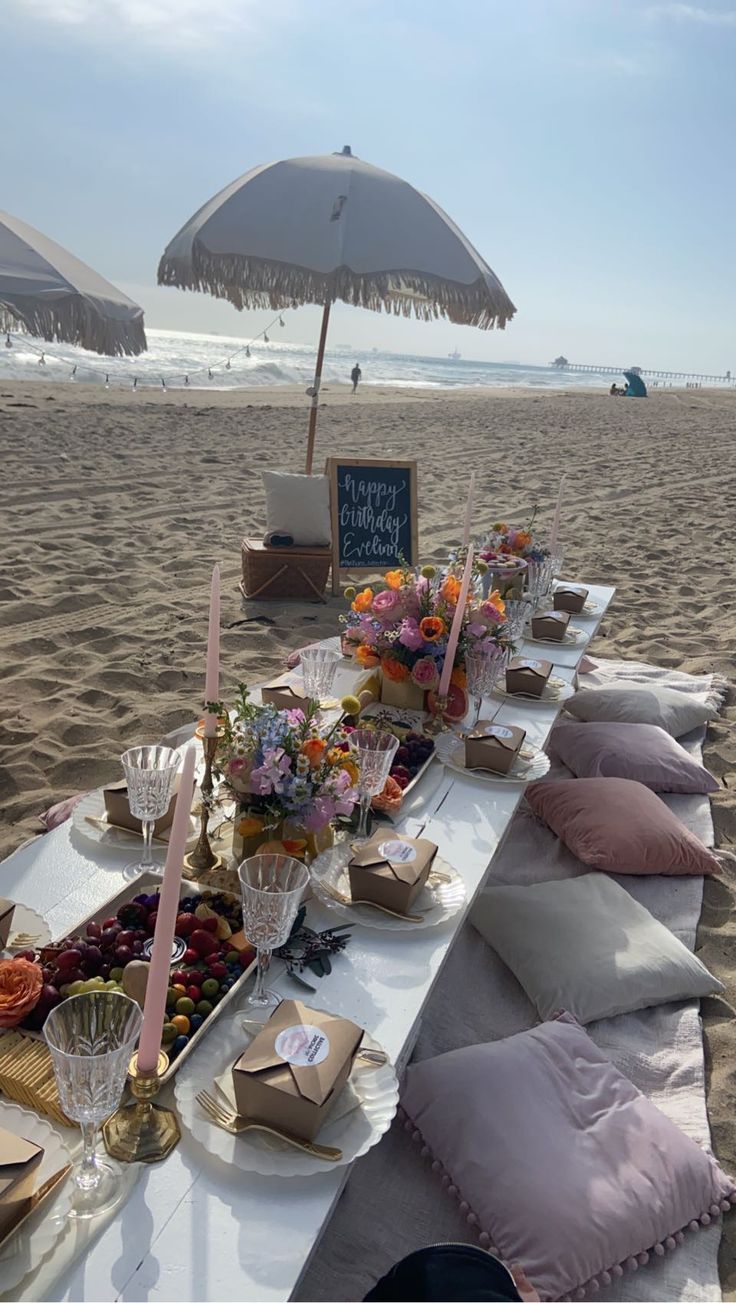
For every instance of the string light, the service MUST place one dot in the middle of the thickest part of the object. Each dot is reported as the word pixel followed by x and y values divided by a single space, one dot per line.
pixel 226 363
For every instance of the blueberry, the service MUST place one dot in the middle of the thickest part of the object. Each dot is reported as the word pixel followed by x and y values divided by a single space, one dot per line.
pixel 179 1044
pixel 195 1021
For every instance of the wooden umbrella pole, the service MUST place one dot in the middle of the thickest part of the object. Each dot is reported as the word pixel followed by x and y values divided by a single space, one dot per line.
pixel 314 391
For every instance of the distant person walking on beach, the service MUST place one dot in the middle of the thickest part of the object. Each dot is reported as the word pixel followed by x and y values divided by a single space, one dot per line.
pixel 355 376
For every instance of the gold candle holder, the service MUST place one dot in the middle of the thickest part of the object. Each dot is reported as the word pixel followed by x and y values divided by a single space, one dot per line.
pixel 202 859
pixel 436 722
pixel 143 1132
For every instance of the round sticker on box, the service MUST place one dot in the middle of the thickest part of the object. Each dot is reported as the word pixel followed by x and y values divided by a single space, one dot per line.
pixel 530 665
pixel 497 730
pixel 399 852
pixel 302 1045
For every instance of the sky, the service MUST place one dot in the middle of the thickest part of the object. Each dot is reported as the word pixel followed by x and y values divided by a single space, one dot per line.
pixel 585 147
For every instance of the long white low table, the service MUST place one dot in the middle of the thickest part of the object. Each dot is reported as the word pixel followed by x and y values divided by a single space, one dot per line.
pixel 193 1229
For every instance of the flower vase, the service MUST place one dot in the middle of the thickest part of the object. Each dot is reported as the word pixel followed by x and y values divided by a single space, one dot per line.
pixel 405 695
pixel 248 838
pixel 314 842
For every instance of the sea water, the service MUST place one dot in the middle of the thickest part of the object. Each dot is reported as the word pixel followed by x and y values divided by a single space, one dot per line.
pixel 174 356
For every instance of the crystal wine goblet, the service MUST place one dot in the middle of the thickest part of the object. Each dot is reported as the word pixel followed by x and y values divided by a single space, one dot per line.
pixel 272 887
pixel 149 772
pixel 539 579
pixel 319 666
pixel 376 752
pixel 482 667
pixel 518 612
pixel 91 1039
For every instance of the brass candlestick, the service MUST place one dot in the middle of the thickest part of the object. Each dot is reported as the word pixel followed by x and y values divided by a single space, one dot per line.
pixel 202 859
pixel 143 1132
pixel 436 722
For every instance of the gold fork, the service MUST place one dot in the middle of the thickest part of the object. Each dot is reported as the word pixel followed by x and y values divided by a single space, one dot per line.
pixel 236 1124
pixel 342 899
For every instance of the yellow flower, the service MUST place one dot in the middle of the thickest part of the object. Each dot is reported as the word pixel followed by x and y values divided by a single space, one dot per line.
pixel 351 769
pixel 349 593
pixel 350 706
pixel 428 572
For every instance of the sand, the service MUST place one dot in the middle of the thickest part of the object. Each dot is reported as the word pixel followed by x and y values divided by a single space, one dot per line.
pixel 115 505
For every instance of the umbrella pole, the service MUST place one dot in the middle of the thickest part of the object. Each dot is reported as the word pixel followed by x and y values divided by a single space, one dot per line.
pixel 314 391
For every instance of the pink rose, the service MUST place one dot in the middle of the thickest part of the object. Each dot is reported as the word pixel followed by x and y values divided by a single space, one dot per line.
pixel 409 635
pixel 385 604
pixel 239 772
pixel 425 673
pixel 491 613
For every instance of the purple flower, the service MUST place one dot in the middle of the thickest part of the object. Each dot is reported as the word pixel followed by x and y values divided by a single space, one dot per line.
pixel 476 630
pixel 409 635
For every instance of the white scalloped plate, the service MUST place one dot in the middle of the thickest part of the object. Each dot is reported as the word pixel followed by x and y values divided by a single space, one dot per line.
pixel 28 921
pixel 555 692
pixel 36 1238
pixel 354 1133
pixel 436 903
pixel 100 833
pixel 530 763
pixel 573 638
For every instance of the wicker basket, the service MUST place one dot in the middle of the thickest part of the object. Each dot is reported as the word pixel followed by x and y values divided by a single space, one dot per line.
pixel 276 573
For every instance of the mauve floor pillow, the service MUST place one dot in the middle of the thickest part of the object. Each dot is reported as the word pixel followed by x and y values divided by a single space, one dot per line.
pixel 619 826
pixel 641 703
pixel 643 752
pixel 585 945
pixel 561 1163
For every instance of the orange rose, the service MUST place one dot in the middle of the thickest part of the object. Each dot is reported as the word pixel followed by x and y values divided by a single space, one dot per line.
pixel 366 657
pixel 450 589
pixel 394 669
pixel 21 983
pixel 432 628
pixel 394 579
pixel 314 750
pixel 363 601
pixel 523 539
pixel 351 769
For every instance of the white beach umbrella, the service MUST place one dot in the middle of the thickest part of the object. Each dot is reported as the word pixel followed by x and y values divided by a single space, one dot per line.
pixel 52 294
pixel 312 230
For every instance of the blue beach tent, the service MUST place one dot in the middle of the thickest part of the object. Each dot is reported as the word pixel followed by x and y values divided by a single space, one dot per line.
pixel 637 388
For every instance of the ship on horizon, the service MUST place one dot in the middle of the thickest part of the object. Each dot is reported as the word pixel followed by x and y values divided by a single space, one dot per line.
pixel 454 355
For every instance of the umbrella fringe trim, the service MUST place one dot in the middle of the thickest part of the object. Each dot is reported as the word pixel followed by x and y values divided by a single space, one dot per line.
pixel 253 283
pixel 77 323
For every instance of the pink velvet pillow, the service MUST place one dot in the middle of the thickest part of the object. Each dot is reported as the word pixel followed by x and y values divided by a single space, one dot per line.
pixel 643 752
pixel 619 826
pixel 563 1165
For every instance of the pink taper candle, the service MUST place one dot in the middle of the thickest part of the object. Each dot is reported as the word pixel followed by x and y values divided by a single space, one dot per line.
pixel 154 1008
pixel 457 621
pixel 212 676
pixel 556 521
pixel 469 510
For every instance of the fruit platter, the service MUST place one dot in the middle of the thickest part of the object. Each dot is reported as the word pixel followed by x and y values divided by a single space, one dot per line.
pixel 109 951
pixel 416 748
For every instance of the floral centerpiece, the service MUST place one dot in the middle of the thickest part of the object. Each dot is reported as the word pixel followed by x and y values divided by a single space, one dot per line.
pixel 507 551
pixel 290 781
pixel 403 628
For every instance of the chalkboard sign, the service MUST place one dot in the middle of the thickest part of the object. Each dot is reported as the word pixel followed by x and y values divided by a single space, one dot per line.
pixel 374 514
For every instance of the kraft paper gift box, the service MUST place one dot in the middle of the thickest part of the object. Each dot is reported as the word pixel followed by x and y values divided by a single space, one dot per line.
pixel 19 1162
pixel 284 696
pixel 570 599
pixel 390 870
pixel 117 808
pixel 295 1069
pixel 493 746
pixel 550 624
pixel 6 918
pixel 528 677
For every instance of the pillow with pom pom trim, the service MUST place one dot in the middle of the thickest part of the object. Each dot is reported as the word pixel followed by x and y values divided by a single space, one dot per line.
pixel 559 1161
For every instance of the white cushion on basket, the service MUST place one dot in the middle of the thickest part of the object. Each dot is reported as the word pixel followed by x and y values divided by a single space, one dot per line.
pixel 585 945
pixel 298 505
